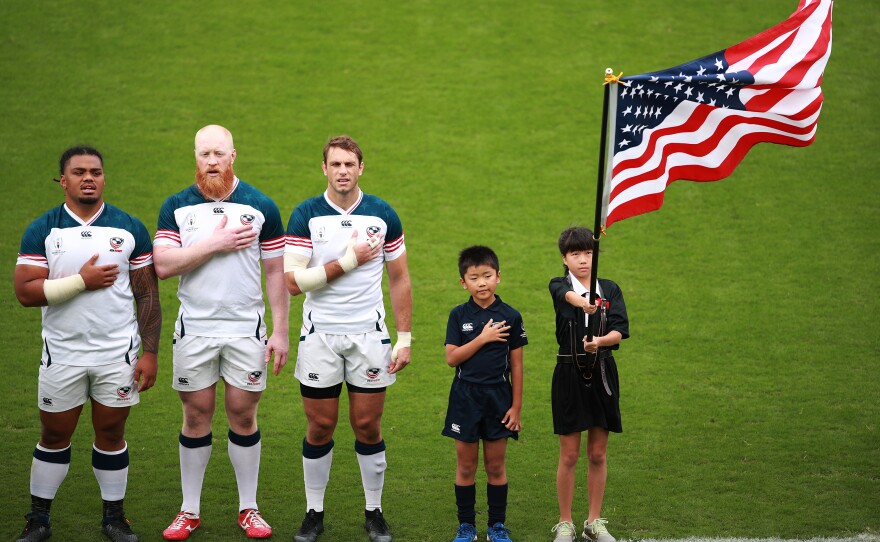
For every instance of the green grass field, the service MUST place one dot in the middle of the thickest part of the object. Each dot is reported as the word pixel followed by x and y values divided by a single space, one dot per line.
pixel 749 386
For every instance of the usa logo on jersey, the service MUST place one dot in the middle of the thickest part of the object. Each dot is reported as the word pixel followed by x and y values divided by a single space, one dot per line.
pixel 247 220
pixel 123 392
pixel 254 377
pixel 116 243
pixel 373 374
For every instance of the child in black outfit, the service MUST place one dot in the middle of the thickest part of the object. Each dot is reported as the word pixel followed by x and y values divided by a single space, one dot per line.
pixel 484 340
pixel 585 393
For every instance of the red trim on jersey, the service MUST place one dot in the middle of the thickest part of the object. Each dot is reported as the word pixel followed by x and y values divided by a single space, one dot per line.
pixel 394 244
pixel 170 235
pixel 302 242
pixel 35 257
pixel 273 244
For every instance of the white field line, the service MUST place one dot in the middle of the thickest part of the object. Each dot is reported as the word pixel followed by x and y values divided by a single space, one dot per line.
pixel 858 538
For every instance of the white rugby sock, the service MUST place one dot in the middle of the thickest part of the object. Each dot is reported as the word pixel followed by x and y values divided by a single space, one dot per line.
pixel 244 453
pixel 194 456
pixel 48 470
pixel 316 473
pixel 371 458
pixel 111 470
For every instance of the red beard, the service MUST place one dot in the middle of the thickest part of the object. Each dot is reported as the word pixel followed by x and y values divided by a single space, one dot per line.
pixel 215 188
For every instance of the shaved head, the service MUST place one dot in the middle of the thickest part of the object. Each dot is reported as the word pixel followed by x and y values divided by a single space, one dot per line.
pixel 214 135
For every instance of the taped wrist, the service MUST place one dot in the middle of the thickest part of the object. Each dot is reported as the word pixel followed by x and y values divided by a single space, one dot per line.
pixel 61 290
pixel 349 260
pixel 404 340
pixel 307 279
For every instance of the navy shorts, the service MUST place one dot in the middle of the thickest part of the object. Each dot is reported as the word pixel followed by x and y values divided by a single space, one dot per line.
pixel 475 411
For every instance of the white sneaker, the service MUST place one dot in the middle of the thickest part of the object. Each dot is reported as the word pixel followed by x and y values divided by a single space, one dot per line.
pixel 564 532
pixel 597 532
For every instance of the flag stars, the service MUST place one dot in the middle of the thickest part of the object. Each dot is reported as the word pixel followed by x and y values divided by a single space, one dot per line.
pixel 626 129
pixel 712 102
pixel 719 65
pixel 677 87
pixel 623 143
pixel 720 76
pixel 700 97
pixel 701 71
pixel 627 111
pixel 688 92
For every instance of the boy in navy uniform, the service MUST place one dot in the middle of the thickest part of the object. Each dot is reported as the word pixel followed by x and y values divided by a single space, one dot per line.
pixel 585 393
pixel 484 340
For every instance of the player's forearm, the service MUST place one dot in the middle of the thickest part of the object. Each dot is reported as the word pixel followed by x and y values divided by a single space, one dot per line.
pixel 456 355
pixel 145 288
pixel 400 290
pixel 516 377
pixel 173 261
pixel 611 338
pixel 276 291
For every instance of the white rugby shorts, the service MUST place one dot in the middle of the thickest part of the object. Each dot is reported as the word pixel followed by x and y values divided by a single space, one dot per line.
pixel 361 359
pixel 62 387
pixel 200 361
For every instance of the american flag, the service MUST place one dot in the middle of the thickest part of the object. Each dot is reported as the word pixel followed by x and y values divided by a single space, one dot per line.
pixel 698 120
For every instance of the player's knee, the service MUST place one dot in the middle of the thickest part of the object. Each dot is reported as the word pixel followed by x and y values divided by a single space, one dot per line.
pixel 569 458
pixel 466 469
pixel 495 468
pixel 366 427
pixel 596 457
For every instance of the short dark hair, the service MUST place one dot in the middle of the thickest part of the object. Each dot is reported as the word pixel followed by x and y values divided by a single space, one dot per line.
pixel 78 150
pixel 575 238
pixel 346 143
pixel 474 256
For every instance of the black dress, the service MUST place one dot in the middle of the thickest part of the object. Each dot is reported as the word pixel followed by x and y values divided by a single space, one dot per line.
pixel 585 394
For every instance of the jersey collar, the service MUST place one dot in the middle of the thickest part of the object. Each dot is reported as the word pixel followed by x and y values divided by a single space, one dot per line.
pixel 474 308
pixel 579 288
pixel 340 209
pixel 85 222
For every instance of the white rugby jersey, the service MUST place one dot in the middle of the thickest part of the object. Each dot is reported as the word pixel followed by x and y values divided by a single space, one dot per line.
pixel 97 327
pixel 224 296
pixel 320 230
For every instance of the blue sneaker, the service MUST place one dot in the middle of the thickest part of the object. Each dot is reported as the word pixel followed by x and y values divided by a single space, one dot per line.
pixel 466 533
pixel 497 532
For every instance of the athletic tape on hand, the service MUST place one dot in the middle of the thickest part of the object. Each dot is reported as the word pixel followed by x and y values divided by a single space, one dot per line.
pixel 404 340
pixel 349 260
pixel 61 290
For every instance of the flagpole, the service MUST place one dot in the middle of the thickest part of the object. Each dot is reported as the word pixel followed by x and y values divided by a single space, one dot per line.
pixel 600 191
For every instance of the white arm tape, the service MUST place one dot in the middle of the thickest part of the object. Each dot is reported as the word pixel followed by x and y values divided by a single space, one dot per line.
pixel 60 290
pixel 404 340
pixel 349 260
pixel 307 279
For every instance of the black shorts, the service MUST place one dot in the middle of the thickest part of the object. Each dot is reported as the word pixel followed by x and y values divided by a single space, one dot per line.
pixel 475 412
pixel 579 405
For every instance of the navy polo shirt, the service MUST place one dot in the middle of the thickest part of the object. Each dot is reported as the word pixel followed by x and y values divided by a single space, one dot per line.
pixel 491 363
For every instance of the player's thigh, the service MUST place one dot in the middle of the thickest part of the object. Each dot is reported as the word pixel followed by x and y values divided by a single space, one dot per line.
pixel 57 427
pixel 113 385
pixel 318 364
pixel 367 356
pixel 365 408
pixel 243 363
pixel 196 363
pixel 109 425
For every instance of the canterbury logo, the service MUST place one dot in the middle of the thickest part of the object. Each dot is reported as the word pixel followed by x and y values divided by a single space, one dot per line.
pixel 86 234
pixel 346 223
pixel 218 210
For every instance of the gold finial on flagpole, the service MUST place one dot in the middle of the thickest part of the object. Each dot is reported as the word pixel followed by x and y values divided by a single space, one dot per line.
pixel 611 78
